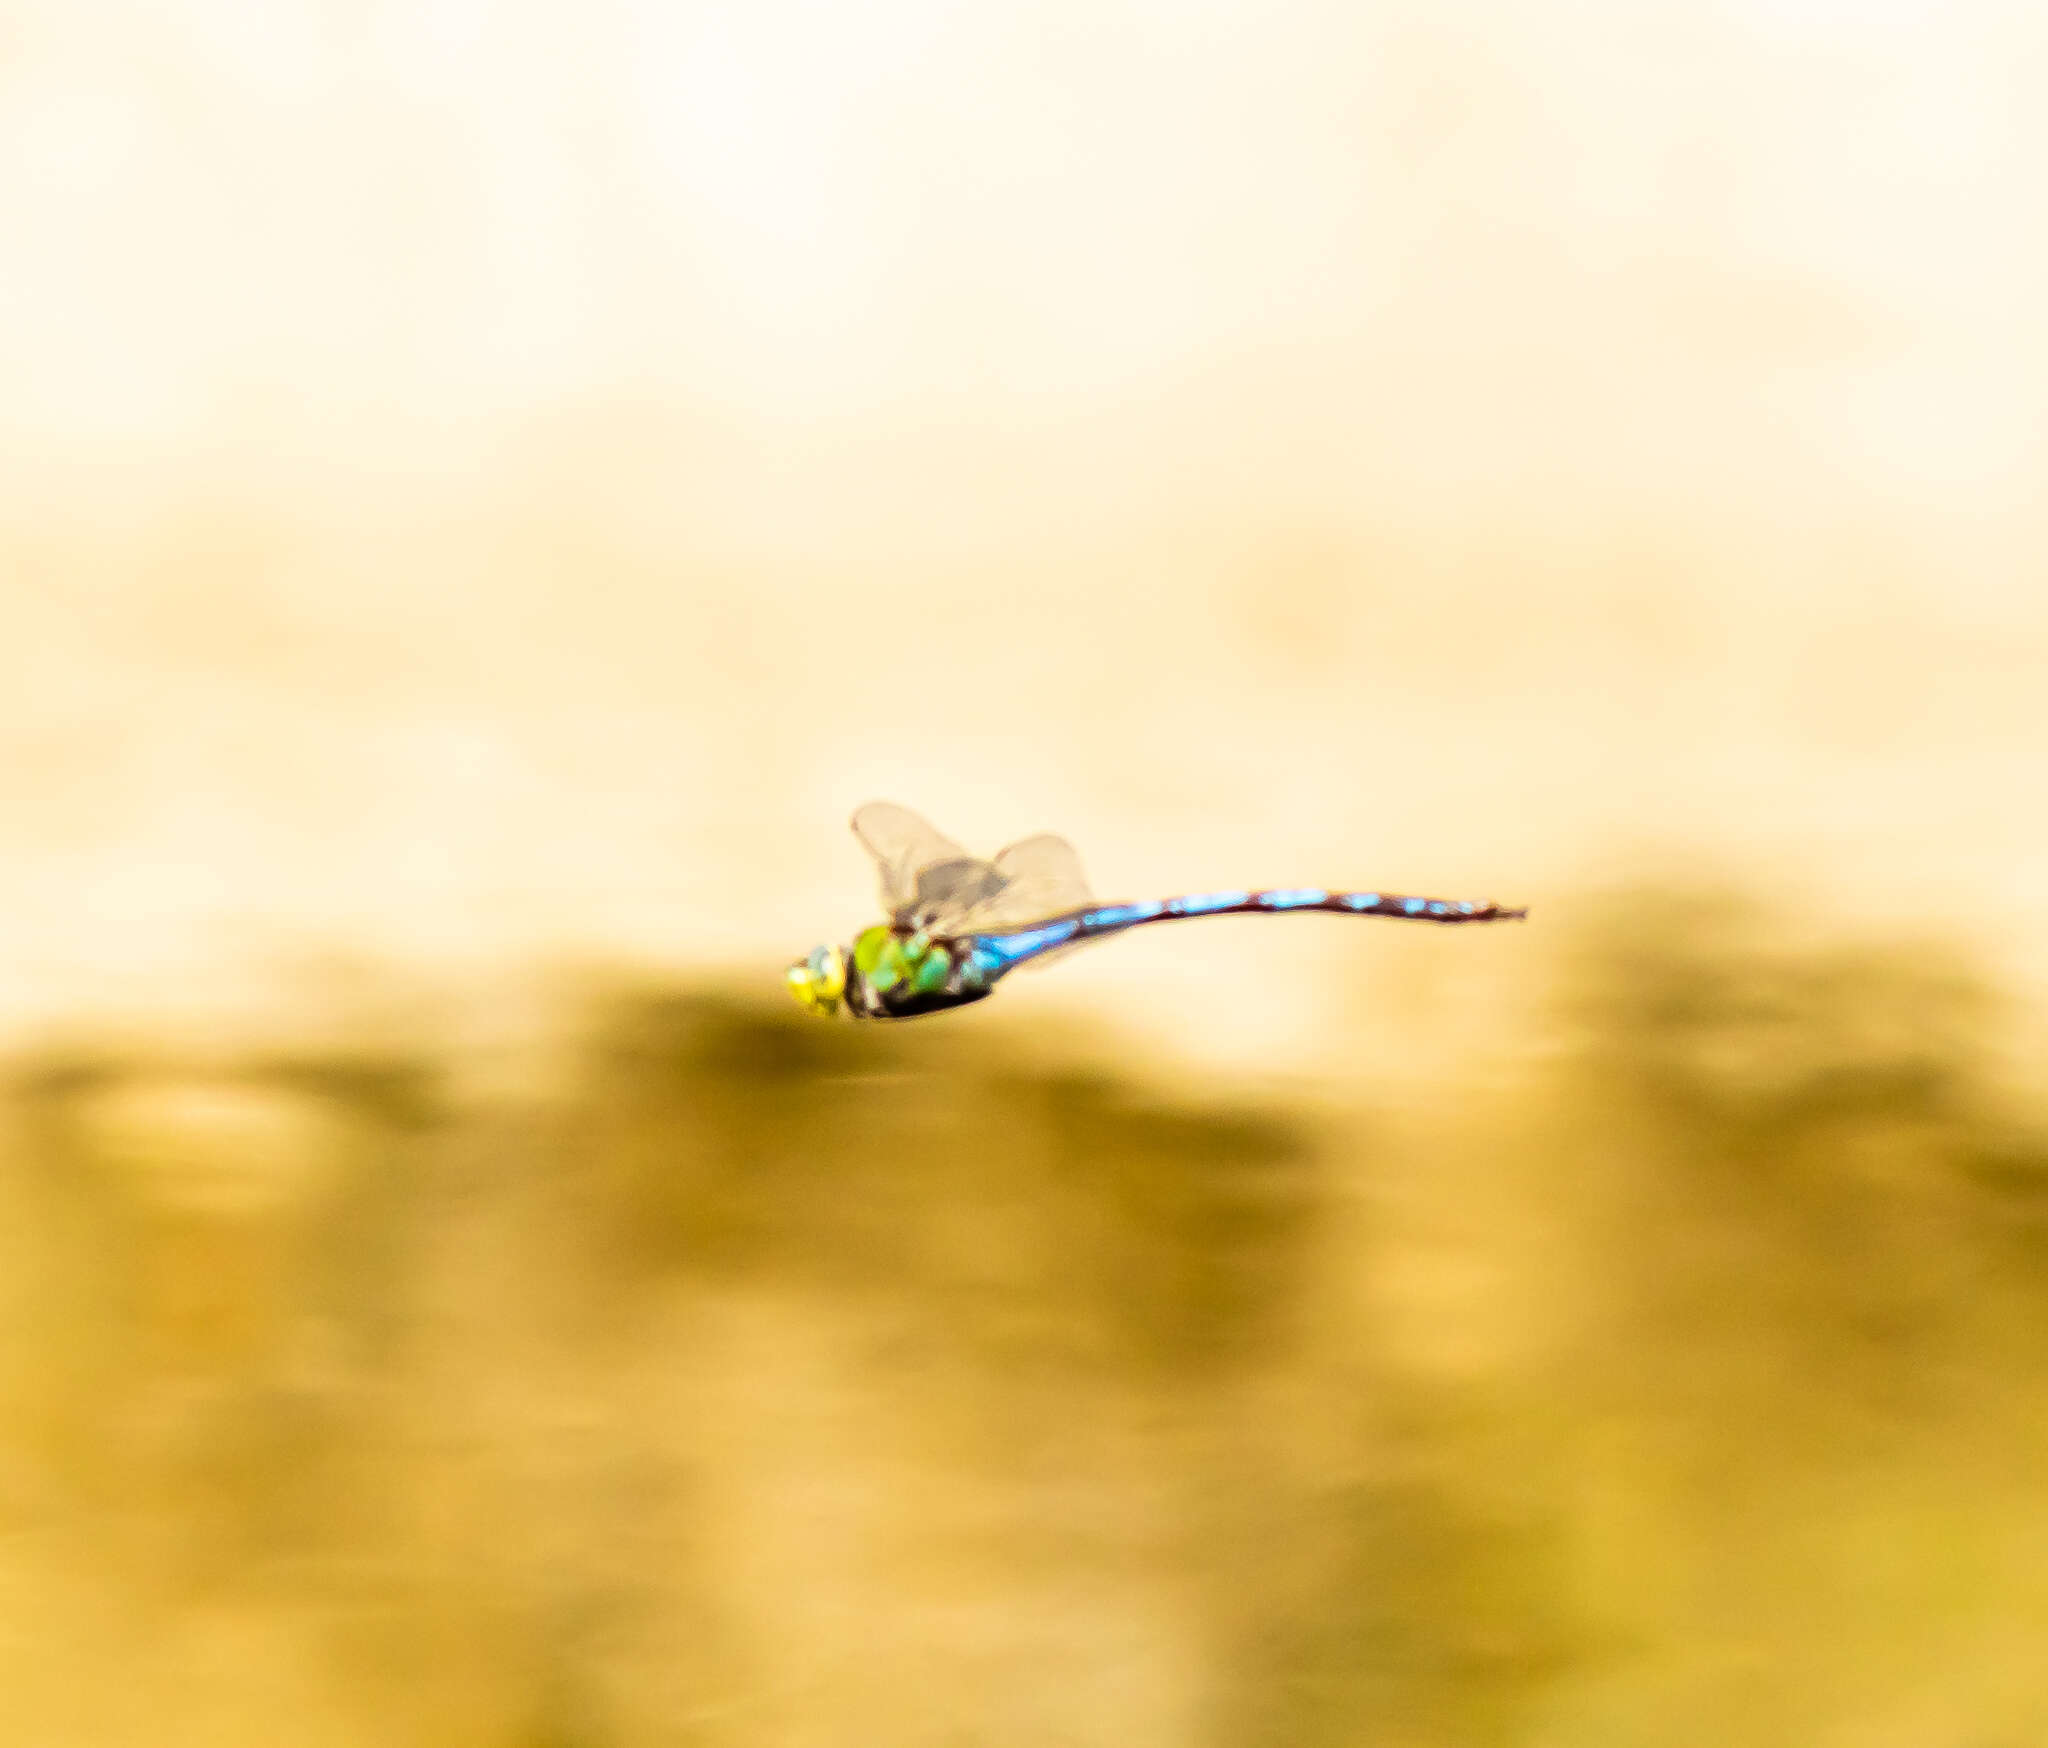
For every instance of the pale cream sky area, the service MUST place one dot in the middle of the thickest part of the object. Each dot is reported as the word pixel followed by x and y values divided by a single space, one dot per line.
pixel 478 477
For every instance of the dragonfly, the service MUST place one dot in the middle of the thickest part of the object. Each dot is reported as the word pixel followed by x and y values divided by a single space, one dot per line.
pixel 958 924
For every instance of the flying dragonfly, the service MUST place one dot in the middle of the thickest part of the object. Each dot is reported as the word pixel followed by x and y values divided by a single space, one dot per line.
pixel 957 925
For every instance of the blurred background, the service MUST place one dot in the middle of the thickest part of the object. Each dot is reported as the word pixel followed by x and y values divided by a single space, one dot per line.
pixel 486 488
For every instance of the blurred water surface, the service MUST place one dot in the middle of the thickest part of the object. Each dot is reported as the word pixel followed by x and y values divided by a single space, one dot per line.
pixel 721 1376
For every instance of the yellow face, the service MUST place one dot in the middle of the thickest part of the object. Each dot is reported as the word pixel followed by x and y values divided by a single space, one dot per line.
pixel 817 982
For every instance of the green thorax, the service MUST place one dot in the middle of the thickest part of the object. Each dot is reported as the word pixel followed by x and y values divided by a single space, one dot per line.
pixel 901 964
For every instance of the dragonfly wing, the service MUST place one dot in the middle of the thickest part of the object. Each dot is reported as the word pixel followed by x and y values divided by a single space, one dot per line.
pixel 1053 955
pixel 1040 877
pixel 928 881
pixel 946 894
pixel 903 845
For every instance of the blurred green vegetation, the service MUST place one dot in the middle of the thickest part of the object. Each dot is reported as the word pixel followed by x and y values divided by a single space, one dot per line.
pixel 734 1378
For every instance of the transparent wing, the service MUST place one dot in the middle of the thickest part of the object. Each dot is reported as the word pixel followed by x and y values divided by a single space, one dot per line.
pixel 1039 877
pixel 926 878
pixel 1044 880
pixel 1053 955
pixel 901 842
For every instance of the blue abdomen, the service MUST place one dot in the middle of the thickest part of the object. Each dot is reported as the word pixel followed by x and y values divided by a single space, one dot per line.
pixel 990 956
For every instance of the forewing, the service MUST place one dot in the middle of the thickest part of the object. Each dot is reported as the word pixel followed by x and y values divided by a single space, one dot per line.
pixel 948 893
pixel 903 844
pixel 1040 877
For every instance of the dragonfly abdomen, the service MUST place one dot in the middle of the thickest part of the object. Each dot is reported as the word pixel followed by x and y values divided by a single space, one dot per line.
pixel 997 953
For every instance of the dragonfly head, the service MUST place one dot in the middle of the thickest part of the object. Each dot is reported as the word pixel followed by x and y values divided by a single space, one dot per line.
pixel 817 982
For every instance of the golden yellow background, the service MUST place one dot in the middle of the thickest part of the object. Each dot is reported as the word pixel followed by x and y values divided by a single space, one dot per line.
pixel 485 489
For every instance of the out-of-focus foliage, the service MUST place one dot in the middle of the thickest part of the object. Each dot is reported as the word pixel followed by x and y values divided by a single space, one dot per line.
pixel 733 1378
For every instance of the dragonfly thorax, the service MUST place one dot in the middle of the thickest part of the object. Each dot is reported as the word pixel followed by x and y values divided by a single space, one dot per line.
pixel 894 973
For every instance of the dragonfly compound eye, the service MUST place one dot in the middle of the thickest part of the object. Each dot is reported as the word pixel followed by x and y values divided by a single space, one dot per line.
pixel 817 983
